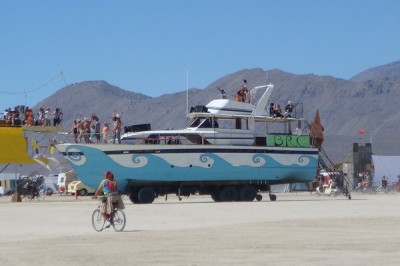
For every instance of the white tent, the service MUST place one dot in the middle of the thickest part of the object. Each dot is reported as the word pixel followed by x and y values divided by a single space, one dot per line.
pixel 388 166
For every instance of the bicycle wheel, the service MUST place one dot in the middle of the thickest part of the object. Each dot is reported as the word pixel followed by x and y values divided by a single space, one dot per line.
pixel 97 220
pixel 29 197
pixel 119 220
pixel 40 195
pixel 22 196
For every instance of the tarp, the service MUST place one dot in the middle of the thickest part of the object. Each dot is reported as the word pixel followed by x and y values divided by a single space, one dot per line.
pixel 388 166
pixel 13 146
pixel 281 188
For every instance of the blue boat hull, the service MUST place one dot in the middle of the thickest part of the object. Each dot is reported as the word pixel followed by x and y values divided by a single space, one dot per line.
pixel 183 163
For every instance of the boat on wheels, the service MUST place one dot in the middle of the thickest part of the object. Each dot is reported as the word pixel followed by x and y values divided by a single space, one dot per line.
pixel 230 150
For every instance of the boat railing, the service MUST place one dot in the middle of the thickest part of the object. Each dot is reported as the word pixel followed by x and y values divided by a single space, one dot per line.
pixel 230 139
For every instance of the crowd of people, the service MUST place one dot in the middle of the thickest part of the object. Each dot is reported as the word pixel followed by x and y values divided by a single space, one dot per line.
pixel 89 130
pixel 275 110
pixel 23 115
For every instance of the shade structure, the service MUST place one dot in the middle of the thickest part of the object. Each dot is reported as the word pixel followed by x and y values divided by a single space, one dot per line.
pixel 13 146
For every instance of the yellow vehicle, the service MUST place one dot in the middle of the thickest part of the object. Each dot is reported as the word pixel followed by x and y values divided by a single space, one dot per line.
pixel 80 188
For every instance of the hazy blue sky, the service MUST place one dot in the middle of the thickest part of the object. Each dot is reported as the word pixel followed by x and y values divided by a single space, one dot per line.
pixel 148 46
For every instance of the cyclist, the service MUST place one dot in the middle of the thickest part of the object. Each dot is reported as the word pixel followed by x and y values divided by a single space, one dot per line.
pixel 384 183
pixel 108 187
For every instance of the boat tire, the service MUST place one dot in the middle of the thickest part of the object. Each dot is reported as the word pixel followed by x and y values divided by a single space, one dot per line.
pixel 272 197
pixel 146 195
pixel 228 193
pixel 134 197
pixel 215 196
pixel 247 193
pixel 259 197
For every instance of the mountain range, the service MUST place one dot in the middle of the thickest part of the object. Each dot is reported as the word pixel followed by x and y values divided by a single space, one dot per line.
pixel 367 101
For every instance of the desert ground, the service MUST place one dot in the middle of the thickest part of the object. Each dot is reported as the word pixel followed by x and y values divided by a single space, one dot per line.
pixel 297 229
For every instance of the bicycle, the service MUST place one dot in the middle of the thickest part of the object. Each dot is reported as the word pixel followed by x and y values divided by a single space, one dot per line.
pixel 39 194
pixel 31 187
pixel 30 192
pixel 117 219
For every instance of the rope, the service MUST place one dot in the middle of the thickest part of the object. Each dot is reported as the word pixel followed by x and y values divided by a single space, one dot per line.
pixel 4 168
pixel 37 88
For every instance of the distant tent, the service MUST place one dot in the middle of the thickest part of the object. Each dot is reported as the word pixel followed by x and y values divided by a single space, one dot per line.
pixel 388 166
pixel 13 146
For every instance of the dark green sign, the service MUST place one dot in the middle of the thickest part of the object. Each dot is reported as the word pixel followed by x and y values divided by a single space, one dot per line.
pixel 288 141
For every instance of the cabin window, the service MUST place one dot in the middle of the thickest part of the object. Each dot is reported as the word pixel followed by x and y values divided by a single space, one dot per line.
pixel 195 122
pixel 206 123
pixel 237 123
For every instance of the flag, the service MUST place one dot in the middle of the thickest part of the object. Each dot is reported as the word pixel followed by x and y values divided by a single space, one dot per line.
pixel 35 146
pixel 317 131
pixel 52 148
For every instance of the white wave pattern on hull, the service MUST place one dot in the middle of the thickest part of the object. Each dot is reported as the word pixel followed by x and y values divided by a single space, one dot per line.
pixel 284 159
pixel 195 159
pixel 138 161
pixel 75 157
pixel 130 160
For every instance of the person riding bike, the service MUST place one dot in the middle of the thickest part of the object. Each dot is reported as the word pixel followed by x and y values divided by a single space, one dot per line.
pixel 108 187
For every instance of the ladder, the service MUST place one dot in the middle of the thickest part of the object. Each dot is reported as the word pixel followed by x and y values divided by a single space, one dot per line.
pixel 342 183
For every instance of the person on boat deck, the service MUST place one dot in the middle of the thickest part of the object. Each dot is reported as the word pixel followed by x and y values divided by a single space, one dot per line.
pixel 28 116
pixel 271 109
pixel 16 120
pixel 92 132
pixel 247 94
pixel 57 117
pixel 289 109
pixel 74 129
pixel 240 95
pixel 40 116
pixel 106 132
pixel 116 128
pixel 47 114
pixel 108 187
pixel 277 111
pixel 97 126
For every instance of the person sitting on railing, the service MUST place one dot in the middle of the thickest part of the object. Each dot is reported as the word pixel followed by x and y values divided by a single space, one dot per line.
pixel 277 111
pixel 271 109
pixel 289 109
